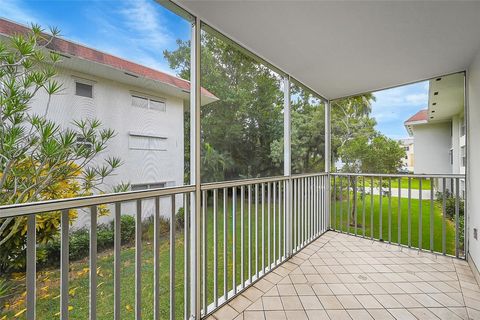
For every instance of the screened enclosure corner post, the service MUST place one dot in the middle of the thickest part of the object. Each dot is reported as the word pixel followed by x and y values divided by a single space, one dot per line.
pixel 328 163
pixel 195 179
pixel 287 163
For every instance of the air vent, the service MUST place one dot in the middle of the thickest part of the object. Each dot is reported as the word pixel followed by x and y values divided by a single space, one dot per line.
pixel 438 79
pixel 433 111
pixel 431 117
pixel 131 74
pixel 434 104
pixel 435 93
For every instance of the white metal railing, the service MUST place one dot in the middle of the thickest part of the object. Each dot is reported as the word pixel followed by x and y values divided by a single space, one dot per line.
pixel 262 223
pixel 388 207
pixel 248 228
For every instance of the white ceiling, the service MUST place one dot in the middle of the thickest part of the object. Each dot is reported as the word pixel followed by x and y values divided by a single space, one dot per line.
pixel 348 47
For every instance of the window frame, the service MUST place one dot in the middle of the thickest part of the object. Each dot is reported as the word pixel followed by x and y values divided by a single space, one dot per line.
pixel 149 98
pixel 84 82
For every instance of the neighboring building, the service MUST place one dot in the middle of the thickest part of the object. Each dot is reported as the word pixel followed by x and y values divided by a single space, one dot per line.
pixel 409 159
pixel 439 130
pixel 144 106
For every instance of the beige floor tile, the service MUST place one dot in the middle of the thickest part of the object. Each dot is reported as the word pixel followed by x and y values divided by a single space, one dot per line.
pixel 252 293
pixel 369 302
pixel 254 315
pixel 291 303
pixel 330 302
pixel 275 315
pixel 380 314
pixel 286 290
pixel 360 314
pixel 401 314
pixel 310 302
pixel 322 290
pixel 272 303
pixel 423 313
pixel 338 315
pixel 407 301
pixel 349 302
pixel 316 314
pixel 240 303
pixel 444 314
pixel 225 313
pixel 304 290
pixel 296 315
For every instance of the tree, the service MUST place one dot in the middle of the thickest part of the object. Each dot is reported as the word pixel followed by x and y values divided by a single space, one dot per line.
pixel 39 159
pixel 240 127
pixel 361 148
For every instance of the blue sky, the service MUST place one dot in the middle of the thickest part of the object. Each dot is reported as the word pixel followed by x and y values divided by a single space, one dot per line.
pixel 124 28
pixel 393 106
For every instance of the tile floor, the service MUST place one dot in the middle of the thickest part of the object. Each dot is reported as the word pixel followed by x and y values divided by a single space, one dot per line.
pixel 345 277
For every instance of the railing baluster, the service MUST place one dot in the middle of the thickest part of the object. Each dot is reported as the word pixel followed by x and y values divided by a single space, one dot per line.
pixel 371 208
pixel 225 242
pixel 117 261
pixel 457 217
pixel 93 264
pixel 444 212
pixel 364 196
pixel 268 223
pixel 389 210
pixel 274 223
pixel 186 258
pixel 31 277
pixel 234 239
pixel 295 215
pixel 420 227
pixel 172 257
pixel 409 225
pixel 355 199
pixel 256 231
pixel 341 203
pixel 334 203
pixel 64 265
pixel 380 218
pixel 250 232
pixel 242 236
pixel 215 247
pixel 432 248
pixel 138 261
pixel 399 213
pixel 280 206
pixel 348 205
pixel 204 251
pixel 263 227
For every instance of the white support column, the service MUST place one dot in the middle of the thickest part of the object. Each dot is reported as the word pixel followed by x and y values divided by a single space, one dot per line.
pixel 328 158
pixel 287 166
pixel 195 204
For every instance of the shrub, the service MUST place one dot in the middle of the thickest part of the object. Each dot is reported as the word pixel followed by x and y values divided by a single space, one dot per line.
pixel 127 229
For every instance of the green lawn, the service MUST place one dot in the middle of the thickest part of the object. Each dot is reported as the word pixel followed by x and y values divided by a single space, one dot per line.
pixel 48 280
pixel 415 183
pixel 341 221
pixel 48 300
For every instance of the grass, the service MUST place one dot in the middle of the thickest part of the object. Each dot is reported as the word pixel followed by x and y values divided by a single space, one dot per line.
pixel 48 302
pixel 415 183
pixel 48 284
pixel 340 215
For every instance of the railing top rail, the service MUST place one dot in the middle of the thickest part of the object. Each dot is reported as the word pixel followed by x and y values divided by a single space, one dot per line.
pixel 22 209
pixel 399 175
pixel 245 182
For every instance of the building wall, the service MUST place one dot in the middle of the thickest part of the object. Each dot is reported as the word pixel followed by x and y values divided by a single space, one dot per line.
pixel 112 105
pixel 432 146
pixel 473 159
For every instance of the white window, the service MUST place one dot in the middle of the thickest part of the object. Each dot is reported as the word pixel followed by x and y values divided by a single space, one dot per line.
pixel 139 141
pixel 451 156
pixel 83 89
pixel 146 186
pixel 82 142
pixel 464 156
pixel 146 102
pixel 462 127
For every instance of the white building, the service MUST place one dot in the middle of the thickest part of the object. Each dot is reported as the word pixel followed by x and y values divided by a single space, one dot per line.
pixel 439 130
pixel 409 159
pixel 145 108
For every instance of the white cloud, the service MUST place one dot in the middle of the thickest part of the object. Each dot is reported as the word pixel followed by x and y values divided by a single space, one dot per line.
pixel 419 98
pixel 13 10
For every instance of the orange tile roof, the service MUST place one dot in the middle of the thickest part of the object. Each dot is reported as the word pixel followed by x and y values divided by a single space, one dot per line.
pixel 421 115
